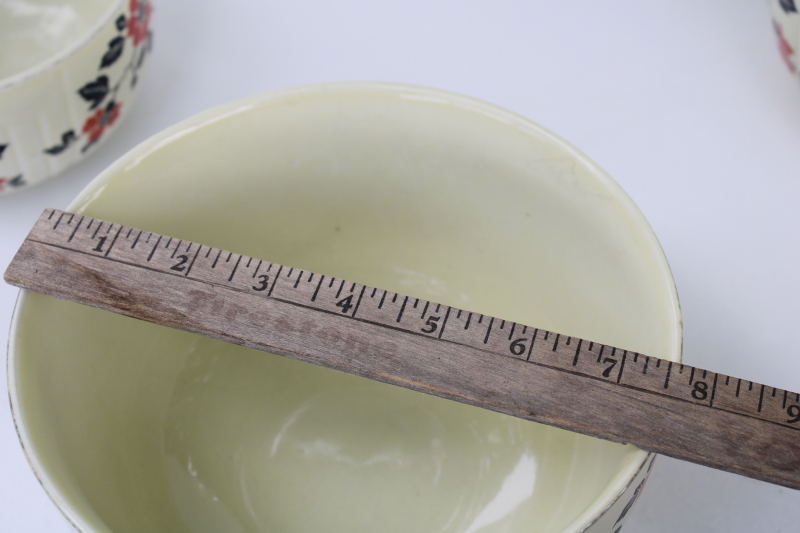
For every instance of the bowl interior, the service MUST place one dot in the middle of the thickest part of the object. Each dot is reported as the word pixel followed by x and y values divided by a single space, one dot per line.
pixel 33 31
pixel 135 427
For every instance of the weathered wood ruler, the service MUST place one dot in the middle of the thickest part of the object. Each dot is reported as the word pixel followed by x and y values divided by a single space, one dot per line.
pixel 623 396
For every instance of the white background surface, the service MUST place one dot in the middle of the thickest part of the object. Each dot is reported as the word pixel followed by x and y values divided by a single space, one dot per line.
pixel 687 104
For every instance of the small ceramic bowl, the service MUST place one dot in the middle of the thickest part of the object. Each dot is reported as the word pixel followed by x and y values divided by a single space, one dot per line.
pixel 135 427
pixel 786 22
pixel 68 73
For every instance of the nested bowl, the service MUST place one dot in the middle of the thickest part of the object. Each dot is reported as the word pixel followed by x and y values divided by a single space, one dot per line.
pixel 68 74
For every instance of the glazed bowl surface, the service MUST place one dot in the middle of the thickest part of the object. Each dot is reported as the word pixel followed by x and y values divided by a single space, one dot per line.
pixel 135 427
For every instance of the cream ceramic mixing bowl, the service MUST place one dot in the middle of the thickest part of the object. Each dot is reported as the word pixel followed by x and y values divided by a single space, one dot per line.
pixel 68 73
pixel 134 427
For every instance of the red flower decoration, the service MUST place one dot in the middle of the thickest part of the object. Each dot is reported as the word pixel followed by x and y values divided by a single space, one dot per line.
pixel 785 48
pixel 139 21
pixel 100 120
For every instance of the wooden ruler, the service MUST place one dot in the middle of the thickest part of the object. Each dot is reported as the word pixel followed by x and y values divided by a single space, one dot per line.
pixel 669 408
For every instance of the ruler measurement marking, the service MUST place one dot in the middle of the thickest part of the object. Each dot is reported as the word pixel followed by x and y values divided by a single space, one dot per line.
pixel 713 391
pixel 411 332
pixel 316 291
pixel 237 266
pixel 299 277
pixel 214 264
pixel 358 302
pixel 380 305
pixel 113 241
pixel 149 257
pixel 339 292
pixel 743 407
pixel 78 225
pixel 257 267
pixel 58 221
pixel 622 365
pixel 177 247
pixel 577 353
pixel 189 268
pixel 402 308
pixel 275 281
pixel 488 331
pixel 444 322
pixel 533 341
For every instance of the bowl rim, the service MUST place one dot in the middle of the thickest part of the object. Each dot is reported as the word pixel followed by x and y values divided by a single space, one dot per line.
pixel 616 487
pixel 68 51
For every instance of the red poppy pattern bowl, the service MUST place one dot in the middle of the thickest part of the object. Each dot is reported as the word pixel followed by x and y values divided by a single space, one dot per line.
pixel 786 23
pixel 57 106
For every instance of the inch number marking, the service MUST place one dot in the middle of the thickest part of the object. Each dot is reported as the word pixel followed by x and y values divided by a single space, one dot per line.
pixel 263 281
pixel 178 267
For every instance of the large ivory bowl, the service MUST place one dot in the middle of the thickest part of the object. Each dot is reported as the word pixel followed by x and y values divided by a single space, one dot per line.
pixel 133 427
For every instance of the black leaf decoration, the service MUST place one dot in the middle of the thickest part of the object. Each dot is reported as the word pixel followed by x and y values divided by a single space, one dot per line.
pixel 2 149
pixel 115 47
pixel 16 181
pixel 95 91
pixel 789 6
pixel 121 22
pixel 66 139
pixel 141 58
